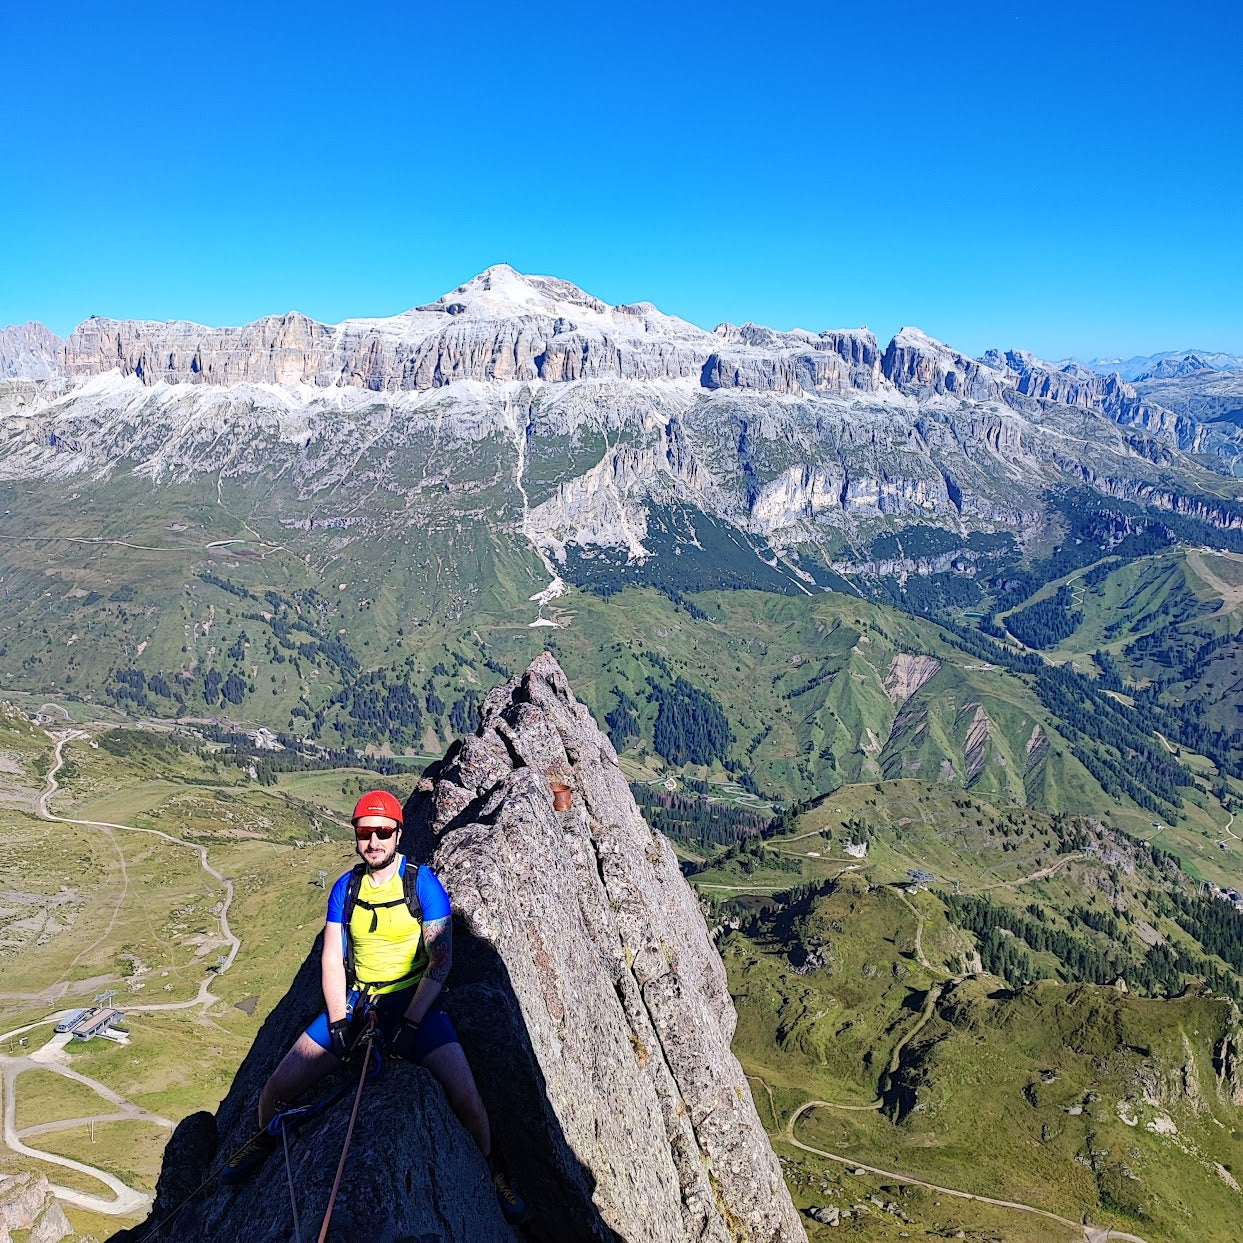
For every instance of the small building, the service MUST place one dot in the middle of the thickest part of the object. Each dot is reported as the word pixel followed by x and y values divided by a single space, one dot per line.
pixel 98 1023
pixel 71 1020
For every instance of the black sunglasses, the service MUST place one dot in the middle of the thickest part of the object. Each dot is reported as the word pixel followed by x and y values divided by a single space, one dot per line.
pixel 383 834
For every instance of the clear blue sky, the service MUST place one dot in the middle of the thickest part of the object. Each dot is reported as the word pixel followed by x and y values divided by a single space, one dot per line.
pixel 1066 177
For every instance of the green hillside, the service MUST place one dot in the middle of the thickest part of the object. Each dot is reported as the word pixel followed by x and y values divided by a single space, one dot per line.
pixel 1088 1102
pixel 935 815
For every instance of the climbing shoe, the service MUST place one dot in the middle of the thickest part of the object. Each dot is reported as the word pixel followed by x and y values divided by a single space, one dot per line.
pixel 247 1159
pixel 512 1204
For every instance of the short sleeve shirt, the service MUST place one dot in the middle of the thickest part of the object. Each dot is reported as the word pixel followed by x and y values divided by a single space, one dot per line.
pixel 387 941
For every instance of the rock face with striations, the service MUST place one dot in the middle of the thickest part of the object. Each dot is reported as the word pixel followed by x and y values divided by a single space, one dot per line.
pixel 29 1207
pixel 29 352
pixel 590 1002
pixel 559 421
pixel 619 988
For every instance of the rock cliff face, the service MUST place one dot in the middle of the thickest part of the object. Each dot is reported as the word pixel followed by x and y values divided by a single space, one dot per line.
pixel 590 1002
pixel 500 326
pixel 792 362
pixel 29 1210
pixel 1074 387
pixel 29 352
pixel 917 364
pixel 524 395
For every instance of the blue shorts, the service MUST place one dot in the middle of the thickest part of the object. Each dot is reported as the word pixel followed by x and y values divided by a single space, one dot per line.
pixel 435 1030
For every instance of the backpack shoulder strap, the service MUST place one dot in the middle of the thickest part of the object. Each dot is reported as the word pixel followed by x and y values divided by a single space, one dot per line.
pixel 410 887
pixel 351 898
pixel 351 891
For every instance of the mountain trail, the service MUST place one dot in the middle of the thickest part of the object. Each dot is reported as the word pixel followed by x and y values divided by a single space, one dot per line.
pixel 919 934
pixel 1088 1234
pixel 1231 593
pixel 1041 874
pixel 205 997
pixel 126 1202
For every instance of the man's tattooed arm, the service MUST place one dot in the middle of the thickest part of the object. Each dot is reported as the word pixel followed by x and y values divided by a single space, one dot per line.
pixel 438 937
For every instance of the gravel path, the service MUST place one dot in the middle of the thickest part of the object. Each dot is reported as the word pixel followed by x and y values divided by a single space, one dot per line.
pixel 126 1202
pixel 1089 1234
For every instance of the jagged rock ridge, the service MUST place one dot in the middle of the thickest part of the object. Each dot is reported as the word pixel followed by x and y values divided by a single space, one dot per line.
pixel 591 1004
pixel 503 325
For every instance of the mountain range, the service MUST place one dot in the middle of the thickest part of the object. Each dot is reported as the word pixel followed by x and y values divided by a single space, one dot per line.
pixel 928 665
pixel 1162 365
pixel 588 418
pixel 289 521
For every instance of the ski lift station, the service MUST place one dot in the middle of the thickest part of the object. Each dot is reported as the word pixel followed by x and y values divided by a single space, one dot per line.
pixel 87 1024
pixel 70 1021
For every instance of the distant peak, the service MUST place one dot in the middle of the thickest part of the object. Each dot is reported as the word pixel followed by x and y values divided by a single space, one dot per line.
pixel 918 339
pixel 501 291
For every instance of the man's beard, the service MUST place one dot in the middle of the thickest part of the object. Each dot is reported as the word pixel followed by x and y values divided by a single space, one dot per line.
pixel 372 868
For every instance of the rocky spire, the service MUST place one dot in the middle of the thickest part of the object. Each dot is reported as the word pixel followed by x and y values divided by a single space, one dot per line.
pixel 591 1004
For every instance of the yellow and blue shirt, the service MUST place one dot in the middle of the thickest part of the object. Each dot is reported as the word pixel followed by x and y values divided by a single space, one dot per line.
pixel 395 952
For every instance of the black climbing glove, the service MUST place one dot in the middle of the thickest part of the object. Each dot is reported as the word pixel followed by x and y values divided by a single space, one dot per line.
pixel 339 1039
pixel 405 1042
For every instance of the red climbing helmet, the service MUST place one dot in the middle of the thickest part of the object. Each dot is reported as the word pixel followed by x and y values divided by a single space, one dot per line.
pixel 377 803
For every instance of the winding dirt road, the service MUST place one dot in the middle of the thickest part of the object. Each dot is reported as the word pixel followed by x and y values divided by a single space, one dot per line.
pixel 1089 1234
pixel 1086 1233
pixel 1042 874
pixel 126 1202
pixel 1228 830
pixel 205 996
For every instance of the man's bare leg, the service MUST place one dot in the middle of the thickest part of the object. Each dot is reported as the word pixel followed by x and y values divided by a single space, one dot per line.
pixel 448 1065
pixel 302 1067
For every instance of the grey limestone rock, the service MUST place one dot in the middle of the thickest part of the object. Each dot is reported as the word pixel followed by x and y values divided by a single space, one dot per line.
pixel 29 352
pixel 793 362
pixel 412 1171
pixel 500 326
pixel 27 1205
pixel 611 978
pixel 593 421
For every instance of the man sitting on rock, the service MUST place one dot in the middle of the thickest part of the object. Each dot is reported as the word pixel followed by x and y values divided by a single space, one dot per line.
pixel 383 949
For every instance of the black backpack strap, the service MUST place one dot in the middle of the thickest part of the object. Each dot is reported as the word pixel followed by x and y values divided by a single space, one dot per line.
pixel 378 906
pixel 351 898
pixel 410 886
pixel 410 892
